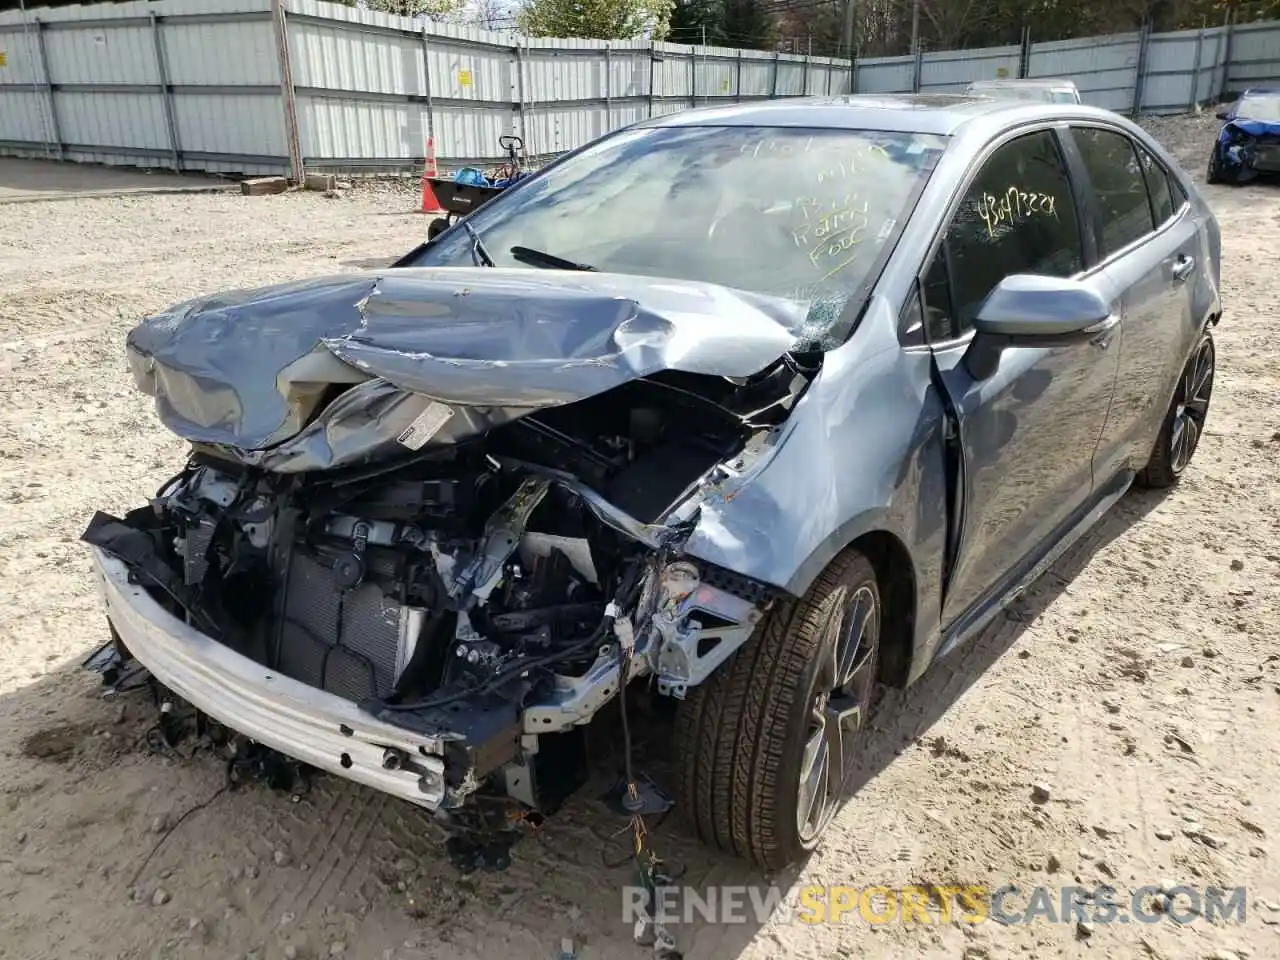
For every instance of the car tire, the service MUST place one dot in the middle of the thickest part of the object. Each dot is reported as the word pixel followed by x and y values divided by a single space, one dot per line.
pixel 1214 173
pixel 1185 419
pixel 745 736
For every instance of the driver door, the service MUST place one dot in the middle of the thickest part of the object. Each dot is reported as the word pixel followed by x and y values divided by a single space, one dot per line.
pixel 1028 431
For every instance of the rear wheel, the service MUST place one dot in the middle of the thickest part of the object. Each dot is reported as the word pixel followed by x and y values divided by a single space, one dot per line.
pixel 761 743
pixel 1185 420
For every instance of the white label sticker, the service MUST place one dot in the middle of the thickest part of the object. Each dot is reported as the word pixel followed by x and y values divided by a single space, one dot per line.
pixel 425 425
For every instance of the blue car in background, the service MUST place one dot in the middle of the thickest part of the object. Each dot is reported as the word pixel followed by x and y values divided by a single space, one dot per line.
pixel 1249 141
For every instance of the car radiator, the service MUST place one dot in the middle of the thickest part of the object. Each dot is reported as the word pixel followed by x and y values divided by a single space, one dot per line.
pixel 353 643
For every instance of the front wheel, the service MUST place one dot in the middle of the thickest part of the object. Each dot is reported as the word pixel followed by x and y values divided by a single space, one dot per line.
pixel 761 742
pixel 1185 419
pixel 1214 172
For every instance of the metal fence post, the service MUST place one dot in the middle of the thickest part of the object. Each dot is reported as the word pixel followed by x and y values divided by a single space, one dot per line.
pixel 279 23
pixel 520 109
pixel 773 84
pixel 653 61
pixel 1024 53
pixel 47 83
pixel 166 92
pixel 693 75
pixel 426 82
pixel 1226 58
pixel 608 89
pixel 916 68
pixel 737 83
pixel 1139 76
pixel 804 89
pixel 1195 73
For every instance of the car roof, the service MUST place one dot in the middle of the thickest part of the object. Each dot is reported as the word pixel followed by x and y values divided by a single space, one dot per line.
pixel 936 113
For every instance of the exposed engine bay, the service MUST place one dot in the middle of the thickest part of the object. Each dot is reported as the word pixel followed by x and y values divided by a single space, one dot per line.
pixel 1247 149
pixel 494 593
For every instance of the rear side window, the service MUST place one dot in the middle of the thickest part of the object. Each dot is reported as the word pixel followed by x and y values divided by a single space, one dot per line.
pixel 1018 216
pixel 1124 208
pixel 1159 189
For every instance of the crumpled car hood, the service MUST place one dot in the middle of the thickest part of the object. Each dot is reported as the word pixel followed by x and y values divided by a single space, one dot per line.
pixel 261 374
pixel 1252 128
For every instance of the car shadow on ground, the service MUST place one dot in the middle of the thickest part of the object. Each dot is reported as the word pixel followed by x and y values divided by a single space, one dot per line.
pixel 369 263
pixel 115 820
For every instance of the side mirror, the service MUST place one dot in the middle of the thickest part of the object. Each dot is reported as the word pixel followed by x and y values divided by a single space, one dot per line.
pixel 1034 311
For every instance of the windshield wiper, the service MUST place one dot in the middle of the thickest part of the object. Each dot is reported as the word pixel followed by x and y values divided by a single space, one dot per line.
pixel 541 259
pixel 478 252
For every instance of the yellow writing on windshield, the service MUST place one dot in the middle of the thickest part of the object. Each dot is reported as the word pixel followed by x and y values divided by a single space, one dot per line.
pixel 1013 205
pixel 844 160
pixel 832 232
pixel 779 147
pixel 852 162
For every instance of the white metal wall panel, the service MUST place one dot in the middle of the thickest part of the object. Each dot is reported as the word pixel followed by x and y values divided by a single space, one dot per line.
pixel 247 124
pixel 757 76
pixel 1219 76
pixel 557 129
pixel 790 78
pixel 101 55
pixel 1169 81
pixel 113 119
pixel 952 71
pixel 672 71
pixel 553 77
pixel 353 129
pixel 468 133
pixel 22 56
pixel 628 74
pixel 214 54
pixel 472 73
pixel 338 58
pixel 886 75
pixel 23 116
pixel 1104 69
pixel 717 76
pixel 627 113
pixel 1255 56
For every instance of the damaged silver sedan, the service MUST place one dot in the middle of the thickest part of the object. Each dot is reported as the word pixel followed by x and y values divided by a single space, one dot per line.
pixel 652 415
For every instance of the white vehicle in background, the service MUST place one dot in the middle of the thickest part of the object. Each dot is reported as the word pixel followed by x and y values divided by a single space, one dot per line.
pixel 1047 89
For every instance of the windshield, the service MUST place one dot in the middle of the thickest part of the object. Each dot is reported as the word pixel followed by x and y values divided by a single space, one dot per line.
pixel 1266 109
pixel 796 213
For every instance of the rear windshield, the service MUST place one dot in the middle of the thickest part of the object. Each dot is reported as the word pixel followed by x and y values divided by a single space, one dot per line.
pixel 804 214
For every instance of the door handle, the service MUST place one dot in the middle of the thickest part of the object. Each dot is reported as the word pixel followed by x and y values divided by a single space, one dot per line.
pixel 1182 267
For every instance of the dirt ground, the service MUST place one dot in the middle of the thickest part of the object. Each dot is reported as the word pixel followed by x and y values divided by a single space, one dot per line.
pixel 1138 684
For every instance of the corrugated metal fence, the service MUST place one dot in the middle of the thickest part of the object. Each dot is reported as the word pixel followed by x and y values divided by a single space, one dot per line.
pixel 258 86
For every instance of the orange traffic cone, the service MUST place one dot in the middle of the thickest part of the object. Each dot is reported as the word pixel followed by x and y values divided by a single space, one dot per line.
pixel 429 202
pixel 431 169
